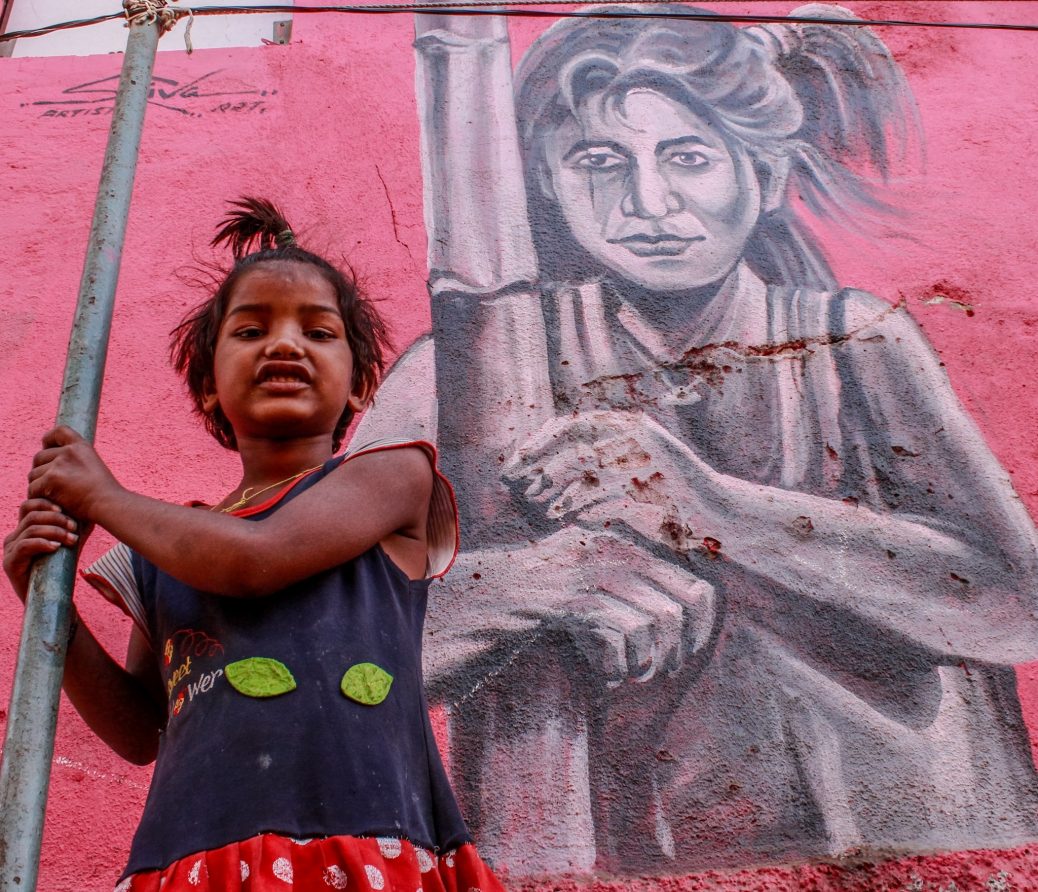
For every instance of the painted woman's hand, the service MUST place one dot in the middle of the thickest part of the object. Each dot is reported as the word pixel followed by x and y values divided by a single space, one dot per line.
pixel 69 471
pixel 631 614
pixel 601 468
pixel 42 529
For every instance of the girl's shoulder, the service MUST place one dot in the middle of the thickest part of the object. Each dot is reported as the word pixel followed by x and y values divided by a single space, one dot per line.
pixel 442 529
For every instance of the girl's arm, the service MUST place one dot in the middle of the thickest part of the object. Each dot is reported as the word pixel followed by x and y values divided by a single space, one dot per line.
pixel 124 707
pixel 374 497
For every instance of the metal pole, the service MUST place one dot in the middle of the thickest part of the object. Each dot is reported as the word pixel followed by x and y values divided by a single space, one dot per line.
pixel 33 712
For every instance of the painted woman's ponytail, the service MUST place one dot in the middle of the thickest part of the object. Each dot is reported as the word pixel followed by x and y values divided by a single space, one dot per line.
pixel 858 115
pixel 856 102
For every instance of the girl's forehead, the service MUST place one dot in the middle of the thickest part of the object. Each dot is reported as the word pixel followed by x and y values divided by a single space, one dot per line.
pixel 281 283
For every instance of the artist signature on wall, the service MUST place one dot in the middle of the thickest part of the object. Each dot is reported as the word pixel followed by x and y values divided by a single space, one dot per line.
pixel 207 94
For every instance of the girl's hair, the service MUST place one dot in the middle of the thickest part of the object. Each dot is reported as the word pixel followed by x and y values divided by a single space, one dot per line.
pixel 805 100
pixel 257 232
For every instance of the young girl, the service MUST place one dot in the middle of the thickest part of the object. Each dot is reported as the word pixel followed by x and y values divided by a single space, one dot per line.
pixel 274 667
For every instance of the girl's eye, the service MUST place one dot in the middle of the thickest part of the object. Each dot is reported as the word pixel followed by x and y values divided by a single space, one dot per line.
pixel 249 332
pixel 600 161
pixel 320 334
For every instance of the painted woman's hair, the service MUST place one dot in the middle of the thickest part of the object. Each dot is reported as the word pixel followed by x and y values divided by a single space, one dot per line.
pixel 823 107
pixel 255 231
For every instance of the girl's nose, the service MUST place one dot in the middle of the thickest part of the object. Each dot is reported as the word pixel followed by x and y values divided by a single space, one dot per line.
pixel 284 343
pixel 649 194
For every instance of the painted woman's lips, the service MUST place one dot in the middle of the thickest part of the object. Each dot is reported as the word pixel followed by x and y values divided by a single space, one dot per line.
pixel 656 245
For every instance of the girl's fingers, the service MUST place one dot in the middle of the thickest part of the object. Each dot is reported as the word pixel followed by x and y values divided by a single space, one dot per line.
pixel 27 549
pixel 46 524
pixel 60 436
pixel 45 457
pixel 30 505
pixel 61 535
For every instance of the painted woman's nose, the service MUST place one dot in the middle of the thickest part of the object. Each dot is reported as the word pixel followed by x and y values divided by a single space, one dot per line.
pixel 650 195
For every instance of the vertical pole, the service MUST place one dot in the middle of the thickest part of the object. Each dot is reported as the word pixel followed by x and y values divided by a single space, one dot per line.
pixel 33 712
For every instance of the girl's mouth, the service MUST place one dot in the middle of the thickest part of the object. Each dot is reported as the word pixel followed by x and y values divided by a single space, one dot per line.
pixel 282 384
pixel 279 376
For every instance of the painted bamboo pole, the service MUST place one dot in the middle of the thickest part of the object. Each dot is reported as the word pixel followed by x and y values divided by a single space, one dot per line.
pixel 33 712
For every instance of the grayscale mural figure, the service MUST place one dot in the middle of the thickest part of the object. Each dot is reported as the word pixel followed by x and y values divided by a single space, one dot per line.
pixel 741 581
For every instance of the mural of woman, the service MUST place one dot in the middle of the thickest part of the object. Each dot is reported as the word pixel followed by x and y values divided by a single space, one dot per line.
pixel 742 581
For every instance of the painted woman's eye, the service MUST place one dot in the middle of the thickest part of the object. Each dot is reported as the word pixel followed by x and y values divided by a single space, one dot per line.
pixel 604 160
pixel 689 159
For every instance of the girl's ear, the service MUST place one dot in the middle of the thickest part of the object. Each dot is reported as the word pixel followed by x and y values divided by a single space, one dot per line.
pixel 359 399
pixel 773 177
pixel 210 401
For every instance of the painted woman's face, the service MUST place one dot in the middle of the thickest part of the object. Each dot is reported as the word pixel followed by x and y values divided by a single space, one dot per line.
pixel 652 190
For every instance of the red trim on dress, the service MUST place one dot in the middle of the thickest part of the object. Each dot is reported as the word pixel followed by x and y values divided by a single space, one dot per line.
pixel 271 863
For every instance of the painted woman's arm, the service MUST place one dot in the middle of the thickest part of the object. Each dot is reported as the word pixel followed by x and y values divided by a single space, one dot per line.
pixel 491 351
pixel 475 197
pixel 934 547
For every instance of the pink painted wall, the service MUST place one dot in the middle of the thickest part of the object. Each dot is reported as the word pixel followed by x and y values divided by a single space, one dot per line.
pixel 328 127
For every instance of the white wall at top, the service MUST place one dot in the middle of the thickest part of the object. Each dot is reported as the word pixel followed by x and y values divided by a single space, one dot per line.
pixel 249 29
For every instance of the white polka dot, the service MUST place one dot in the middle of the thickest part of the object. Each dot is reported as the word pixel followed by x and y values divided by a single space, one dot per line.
pixel 389 847
pixel 449 858
pixel 124 886
pixel 425 860
pixel 375 877
pixel 335 877
pixel 194 876
pixel 300 842
pixel 244 871
pixel 283 870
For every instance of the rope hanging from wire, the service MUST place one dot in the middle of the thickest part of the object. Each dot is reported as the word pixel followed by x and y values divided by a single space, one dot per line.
pixel 157 9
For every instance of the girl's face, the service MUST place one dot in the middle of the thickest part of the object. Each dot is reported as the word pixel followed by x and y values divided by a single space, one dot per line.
pixel 282 367
pixel 651 190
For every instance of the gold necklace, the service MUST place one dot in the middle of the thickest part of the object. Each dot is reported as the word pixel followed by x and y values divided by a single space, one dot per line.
pixel 248 495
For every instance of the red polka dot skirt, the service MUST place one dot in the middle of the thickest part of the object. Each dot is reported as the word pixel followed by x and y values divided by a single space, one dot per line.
pixel 271 863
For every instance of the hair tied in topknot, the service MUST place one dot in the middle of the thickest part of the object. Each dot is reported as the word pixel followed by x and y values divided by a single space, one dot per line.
pixel 254 224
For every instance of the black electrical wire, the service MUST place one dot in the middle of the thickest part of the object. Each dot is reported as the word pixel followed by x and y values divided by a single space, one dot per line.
pixel 492 7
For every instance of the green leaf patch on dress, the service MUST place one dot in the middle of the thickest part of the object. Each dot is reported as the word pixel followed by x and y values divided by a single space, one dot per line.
pixel 366 683
pixel 260 677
